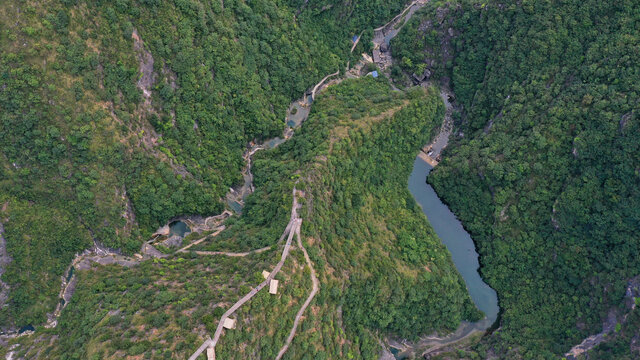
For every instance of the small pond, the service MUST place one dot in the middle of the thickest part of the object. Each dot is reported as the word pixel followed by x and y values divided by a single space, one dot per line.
pixel 26 328
pixel 298 112
pixel 396 353
pixel 235 206
pixel 178 228
pixel 275 142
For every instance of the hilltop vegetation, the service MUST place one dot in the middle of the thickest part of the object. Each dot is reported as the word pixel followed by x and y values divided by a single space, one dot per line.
pixel 117 116
pixel 401 278
pixel 547 175
pixel 159 309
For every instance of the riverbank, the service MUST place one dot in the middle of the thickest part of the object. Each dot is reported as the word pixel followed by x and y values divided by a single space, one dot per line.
pixel 446 225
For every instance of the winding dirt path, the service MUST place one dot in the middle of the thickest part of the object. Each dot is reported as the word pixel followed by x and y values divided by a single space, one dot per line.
pixel 318 85
pixel 218 231
pixel 355 43
pixel 232 254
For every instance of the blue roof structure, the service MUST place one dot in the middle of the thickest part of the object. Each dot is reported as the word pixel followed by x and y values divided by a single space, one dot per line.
pixel 355 38
pixel 374 74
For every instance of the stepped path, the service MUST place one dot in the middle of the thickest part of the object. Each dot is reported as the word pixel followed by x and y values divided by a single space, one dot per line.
pixel 314 291
pixel 318 85
pixel 291 230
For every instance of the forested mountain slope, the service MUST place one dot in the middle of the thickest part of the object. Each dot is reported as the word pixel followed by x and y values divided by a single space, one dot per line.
pixel 117 116
pixel 382 269
pixel 545 173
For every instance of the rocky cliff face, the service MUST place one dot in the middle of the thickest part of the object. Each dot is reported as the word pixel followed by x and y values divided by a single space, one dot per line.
pixel 5 259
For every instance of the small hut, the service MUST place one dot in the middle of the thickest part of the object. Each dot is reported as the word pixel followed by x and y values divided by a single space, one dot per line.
pixel 265 274
pixel 229 323
pixel 273 286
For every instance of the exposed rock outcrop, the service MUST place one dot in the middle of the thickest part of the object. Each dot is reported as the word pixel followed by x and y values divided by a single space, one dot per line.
pixel 5 259
pixel 145 59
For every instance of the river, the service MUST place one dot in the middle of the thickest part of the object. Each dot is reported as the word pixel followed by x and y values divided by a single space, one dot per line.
pixel 464 255
pixel 456 239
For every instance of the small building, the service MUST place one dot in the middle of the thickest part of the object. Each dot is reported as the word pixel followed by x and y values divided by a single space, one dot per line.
pixel 265 274
pixel 273 286
pixel 229 323
pixel 374 73
pixel 354 39
pixel 367 58
pixel 211 353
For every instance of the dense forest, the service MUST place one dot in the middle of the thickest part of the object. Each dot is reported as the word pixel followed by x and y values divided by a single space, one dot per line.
pixel 117 116
pixel 545 170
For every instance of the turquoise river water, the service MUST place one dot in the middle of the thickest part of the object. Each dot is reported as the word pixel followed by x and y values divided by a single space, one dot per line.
pixel 453 235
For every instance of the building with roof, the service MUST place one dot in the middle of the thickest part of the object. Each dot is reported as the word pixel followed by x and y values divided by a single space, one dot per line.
pixel 229 323
pixel 273 286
